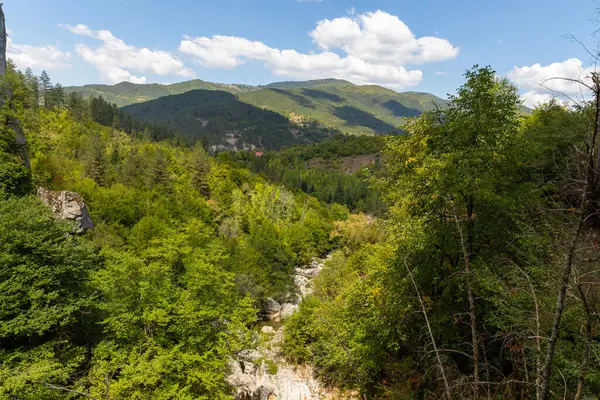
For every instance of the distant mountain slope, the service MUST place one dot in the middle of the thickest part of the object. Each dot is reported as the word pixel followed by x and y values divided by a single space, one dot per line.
pixel 343 105
pixel 330 103
pixel 226 122
pixel 126 93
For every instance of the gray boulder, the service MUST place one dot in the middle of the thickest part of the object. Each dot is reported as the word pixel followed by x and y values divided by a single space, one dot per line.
pixel 271 309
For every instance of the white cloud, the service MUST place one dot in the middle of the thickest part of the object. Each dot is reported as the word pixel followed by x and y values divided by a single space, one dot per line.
pixel 533 99
pixel 40 57
pixel 377 47
pixel 440 73
pixel 540 77
pixel 544 83
pixel 117 61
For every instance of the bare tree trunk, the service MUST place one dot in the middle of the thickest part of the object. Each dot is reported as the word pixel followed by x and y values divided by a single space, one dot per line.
pixel 467 249
pixel 435 348
pixel 538 354
pixel 588 344
pixel 584 213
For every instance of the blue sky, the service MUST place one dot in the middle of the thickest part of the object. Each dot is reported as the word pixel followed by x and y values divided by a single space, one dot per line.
pixel 408 45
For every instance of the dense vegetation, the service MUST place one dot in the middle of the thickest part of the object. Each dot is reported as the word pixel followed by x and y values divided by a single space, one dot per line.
pixel 464 258
pixel 336 170
pixel 454 294
pixel 150 303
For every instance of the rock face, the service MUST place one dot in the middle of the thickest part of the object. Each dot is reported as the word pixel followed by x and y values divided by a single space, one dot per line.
pixel 67 205
pixel 264 374
pixel 270 310
pixel 11 123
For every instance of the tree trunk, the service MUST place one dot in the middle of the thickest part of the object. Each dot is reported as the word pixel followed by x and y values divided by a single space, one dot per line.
pixel 584 213
pixel 588 344
pixel 435 348
pixel 467 249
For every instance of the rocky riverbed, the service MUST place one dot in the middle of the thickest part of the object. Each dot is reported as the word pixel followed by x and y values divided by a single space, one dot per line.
pixel 263 373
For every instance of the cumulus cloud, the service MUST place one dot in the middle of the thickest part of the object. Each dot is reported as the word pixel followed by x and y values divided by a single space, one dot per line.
pixel 542 84
pixel 40 57
pixel 376 47
pixel 117 61
pixel 538 77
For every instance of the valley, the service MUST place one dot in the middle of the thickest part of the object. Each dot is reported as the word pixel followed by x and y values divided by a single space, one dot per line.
pixel 301 240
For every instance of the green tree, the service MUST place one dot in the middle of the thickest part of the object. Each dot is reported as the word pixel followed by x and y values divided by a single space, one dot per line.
pixel 47 312
pixel 45 88
pixel 200 165
pixel 94 157
pixel 449 183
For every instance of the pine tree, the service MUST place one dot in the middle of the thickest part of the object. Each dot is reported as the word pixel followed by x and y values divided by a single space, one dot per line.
pixel 94 159
pixel 45 88
pixel 160 169
pixel 33 88
pixel 58 96
pixel 200 169
pixel 132 168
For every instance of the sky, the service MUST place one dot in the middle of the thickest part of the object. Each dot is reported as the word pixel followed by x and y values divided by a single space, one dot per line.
pixel 405 45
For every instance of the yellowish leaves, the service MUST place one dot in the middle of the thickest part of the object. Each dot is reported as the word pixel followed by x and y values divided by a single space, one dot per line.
pixel 410 160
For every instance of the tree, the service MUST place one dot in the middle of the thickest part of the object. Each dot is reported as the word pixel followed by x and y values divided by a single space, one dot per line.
pixel 159 174
pixel 449 178
pixel 200 165
pixel 57 97
pixel 94 157
pixel 45 88
pixel 589 191
pixel 33 86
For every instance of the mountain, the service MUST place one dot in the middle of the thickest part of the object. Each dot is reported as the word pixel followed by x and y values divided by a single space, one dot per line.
pixel 342 105
pixel 311 109
pixel 125 93
pixel 224 121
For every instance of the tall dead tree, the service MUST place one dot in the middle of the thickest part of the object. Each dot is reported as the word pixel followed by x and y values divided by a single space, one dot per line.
pixel 11 124
pixel 587 209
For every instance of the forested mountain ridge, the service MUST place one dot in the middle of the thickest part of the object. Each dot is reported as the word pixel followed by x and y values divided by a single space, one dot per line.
pixel 225 122
pixel 125 93
pixel 331 103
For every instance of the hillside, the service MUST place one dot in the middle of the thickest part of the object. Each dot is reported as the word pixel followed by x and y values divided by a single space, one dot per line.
pixel 343 105
pixel 226 122
pixel 332 103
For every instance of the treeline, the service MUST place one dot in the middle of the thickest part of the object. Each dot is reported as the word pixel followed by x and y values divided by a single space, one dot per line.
pixel 40 92
pixel 222 117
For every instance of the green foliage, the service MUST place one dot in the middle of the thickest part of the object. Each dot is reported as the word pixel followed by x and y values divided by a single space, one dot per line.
pixel 474 179
pixel 48 312
pixel 183 250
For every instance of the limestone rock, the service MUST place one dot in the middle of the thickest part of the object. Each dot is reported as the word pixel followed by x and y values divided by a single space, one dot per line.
pixel 67 205
pixel 271 309
pixel 287 309
pixel 268 330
